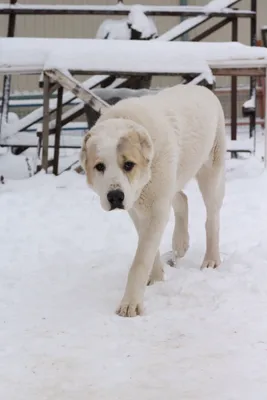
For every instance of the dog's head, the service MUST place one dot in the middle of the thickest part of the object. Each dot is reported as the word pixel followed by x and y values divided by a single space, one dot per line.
pixel 116 156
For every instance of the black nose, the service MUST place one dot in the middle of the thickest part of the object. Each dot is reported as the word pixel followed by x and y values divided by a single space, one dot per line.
pixel 115 198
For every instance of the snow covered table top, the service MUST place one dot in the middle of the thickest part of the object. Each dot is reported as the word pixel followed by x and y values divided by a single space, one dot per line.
pixel 129 57
pixel 154 55
pixel 32 55
pixel 97 56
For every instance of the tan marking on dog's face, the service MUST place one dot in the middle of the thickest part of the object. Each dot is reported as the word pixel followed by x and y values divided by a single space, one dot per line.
pixel 133 148
pixel 88 157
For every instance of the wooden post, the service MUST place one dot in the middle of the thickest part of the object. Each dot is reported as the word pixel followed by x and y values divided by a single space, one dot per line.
pixel 58 129
pixel 46 119
pixel 265 123
pixel 7 78
pixel 234 87
pixel 253 80
pixel 185 36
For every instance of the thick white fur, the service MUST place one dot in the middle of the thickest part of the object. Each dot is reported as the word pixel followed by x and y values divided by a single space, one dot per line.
pixel 185 131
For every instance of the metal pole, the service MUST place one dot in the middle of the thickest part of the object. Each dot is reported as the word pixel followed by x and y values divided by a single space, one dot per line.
pixel 7 78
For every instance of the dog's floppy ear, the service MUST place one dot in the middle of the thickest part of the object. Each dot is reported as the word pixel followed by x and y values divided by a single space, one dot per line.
pixel 146 145
pixel 84 149
pixel 137 140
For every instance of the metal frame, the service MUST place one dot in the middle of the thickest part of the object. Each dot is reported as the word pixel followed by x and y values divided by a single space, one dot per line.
pixel 231 16
pixel 152 10
pixel 97 104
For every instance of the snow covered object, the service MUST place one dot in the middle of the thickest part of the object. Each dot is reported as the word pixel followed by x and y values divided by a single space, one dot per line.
pixel 137 26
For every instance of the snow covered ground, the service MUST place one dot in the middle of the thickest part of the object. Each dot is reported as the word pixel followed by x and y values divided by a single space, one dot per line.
pixel 63 266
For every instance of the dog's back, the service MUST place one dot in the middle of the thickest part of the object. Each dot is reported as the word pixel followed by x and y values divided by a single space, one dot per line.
pixel 185 119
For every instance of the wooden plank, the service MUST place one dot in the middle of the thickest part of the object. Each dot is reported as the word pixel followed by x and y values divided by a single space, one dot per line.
pixel 4 110
pixel 211 30
pixel 70 83
pixel 238 71
pixel 37 115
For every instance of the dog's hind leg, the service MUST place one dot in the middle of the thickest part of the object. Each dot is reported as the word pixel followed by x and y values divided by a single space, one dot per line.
pixel 157 273
pixel 211 181
pixel 180 238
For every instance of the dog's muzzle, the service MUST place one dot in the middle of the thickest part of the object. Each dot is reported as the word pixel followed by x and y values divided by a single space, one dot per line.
pixel 115 199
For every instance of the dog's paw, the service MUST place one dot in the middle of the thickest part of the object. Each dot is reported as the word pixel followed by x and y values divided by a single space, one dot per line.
pixel 180 245
pixel 169 258
pixel 211 263
pixel 130 309
pixel 157 275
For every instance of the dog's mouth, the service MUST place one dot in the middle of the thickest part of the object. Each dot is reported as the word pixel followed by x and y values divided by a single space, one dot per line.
pixel 119 207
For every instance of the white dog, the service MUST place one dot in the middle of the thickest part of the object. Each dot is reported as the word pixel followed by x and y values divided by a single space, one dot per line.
pixel 139 156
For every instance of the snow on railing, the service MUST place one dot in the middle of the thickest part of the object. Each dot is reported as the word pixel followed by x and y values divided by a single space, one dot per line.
pixel 121 9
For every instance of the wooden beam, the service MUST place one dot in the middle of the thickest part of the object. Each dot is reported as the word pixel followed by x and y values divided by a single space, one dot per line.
pixel 211 30
pixel 67 81
pixel 4 109
pixel 238 71
pixel 253 80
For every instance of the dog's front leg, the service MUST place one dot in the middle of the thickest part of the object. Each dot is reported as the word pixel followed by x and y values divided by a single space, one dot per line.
pixel 150 233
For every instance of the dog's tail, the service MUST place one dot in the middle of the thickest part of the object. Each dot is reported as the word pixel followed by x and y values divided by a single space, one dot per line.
pixel 219 147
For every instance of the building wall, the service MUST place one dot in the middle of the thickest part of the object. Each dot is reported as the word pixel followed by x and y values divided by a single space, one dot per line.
pixel 86 27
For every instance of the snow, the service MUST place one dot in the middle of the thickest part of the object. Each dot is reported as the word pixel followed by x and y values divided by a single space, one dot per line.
pixel 247 144
pixel 64 263
pixel 152 56
pixel 99 55
pixel 190 23
pixel 120 29
pixel 23 165
pixel 113 30
pixel 251 103
pixel 138 21
pixel 36 53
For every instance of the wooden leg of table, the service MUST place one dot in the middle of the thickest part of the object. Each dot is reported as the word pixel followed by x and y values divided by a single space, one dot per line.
pixel 46 118
pixel 58 129
pixel 265 123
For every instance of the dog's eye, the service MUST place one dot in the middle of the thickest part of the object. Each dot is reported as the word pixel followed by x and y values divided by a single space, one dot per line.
pixel 128 166
pixel 100 167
